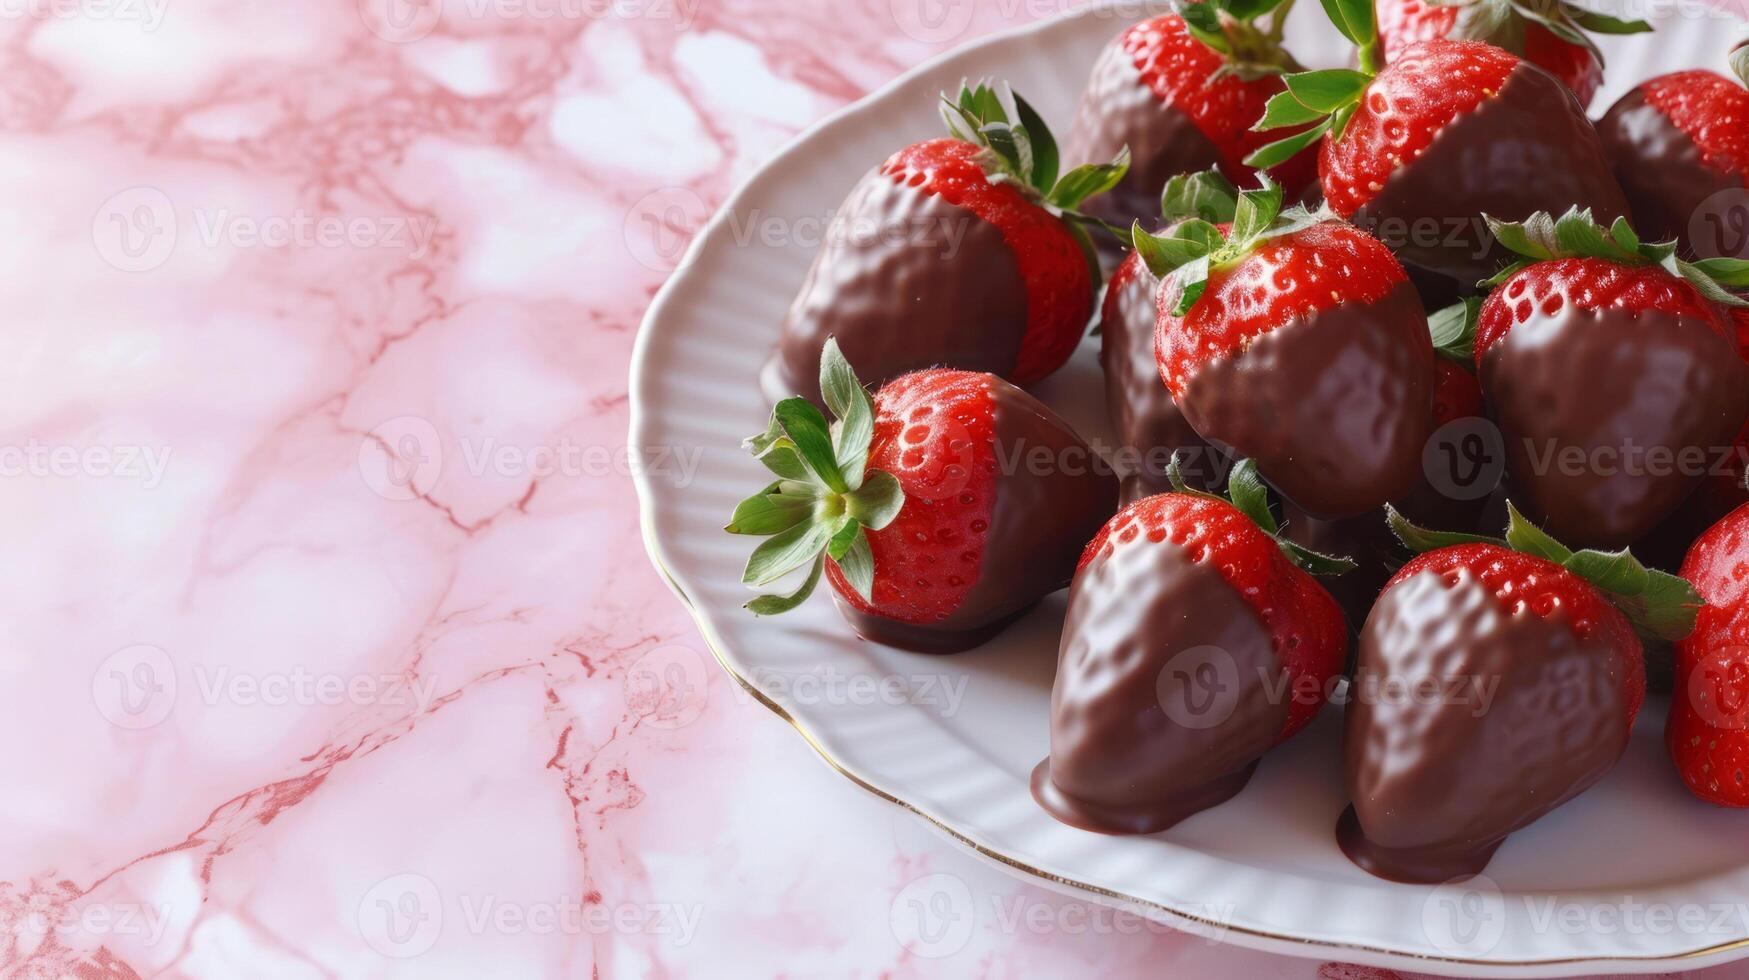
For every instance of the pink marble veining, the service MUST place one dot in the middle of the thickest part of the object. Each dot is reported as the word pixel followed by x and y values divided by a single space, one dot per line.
pixel 330 645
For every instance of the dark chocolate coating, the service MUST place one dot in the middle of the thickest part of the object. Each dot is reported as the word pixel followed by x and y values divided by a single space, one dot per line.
pixel 1148 423
pixel 1040 522
pixel 1335 408
pixel 1581 394
pixel 1367 539
pixel 1529 148
pixel 1662 172
pixel 1140 623
pixel 1437 783
pixel 1118 109
pixel 905 281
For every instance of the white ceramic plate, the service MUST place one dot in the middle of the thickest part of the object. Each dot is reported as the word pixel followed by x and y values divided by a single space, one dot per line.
pixel 1635 876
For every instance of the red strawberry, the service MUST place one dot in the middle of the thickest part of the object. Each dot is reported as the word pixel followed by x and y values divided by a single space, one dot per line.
pixel 1612 375
pixel 941 511
pixel 1497 680
pixel 1450 130
pixel 1708 731
pixel 1298 342
pixel 1548 35
pixel 954 253
pixel 1194 643
pixel 1676 142
pixel 1150 428
pixel 1182 97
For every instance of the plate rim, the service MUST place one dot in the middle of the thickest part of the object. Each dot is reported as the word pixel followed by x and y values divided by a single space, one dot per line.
pixel 640 412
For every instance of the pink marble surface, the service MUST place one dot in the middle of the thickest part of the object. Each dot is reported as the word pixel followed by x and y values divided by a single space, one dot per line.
pixel 331 646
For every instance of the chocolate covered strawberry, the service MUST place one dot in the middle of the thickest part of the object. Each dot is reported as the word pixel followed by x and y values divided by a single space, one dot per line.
pixel 1550 35
pixel 1150 428
pixel 1181 92
pixel 1450 130
pixel 1194 643
pixel 1297 341
pixel 1497 680
pixel 940 510
pixel 959 252
pixel 1678 142
pixel 1612 373
pixel 1708 730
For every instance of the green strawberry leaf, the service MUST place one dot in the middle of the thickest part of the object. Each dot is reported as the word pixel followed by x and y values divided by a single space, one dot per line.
pixel 769 512
pixel 772 605
pixel 1454 330
pixel 1089 180
pixel 1524 536
pixel 1283 150
pixel 1246 489
pixel 1184 243
pixel 857 566
pixel 845 396
pixel 877 502
pixel 1356 22
pixel 786 551
pixel 1420 540
pixel 1576 234
pixel 1740 61
pixel 1326 91
pixel 1257 211
pixel 1726 272
pixel 1046 161
pixel 807 429
pixel 1207 196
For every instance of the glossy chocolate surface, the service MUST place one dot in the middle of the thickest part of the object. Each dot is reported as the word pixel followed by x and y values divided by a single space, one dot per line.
pixel 1600 410
pixel 905 281
pixel 1662 172
pixel 1529 148
pixel 1336 408
pixel 1118 109
pixel 1053 495
pixel 1148 630
pixel 1149 425
pixel 1525 716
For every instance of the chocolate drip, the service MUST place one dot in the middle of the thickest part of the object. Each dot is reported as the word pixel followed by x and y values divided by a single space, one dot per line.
pixel 905 281
pixel 1529 148
pixel 1053 494
pixel 1336 408
pixel 1580 394
pixel 1525 716
pixel 1148 628
pixel 1664 175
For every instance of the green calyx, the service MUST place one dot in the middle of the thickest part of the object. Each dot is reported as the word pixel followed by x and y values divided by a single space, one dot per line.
pixel 1322 101
pixel 1576 235
pixel 1019 148
pixel 1454 331
pixel 1502 22
pixel 1662 607
pixel 1250 48
pixel 824 499
pixel 1186 254
pixel 1207 196
pixel 1247 492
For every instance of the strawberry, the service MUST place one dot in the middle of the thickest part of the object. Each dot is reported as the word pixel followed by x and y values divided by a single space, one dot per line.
pixel 1548 35
pixel 1182 95
pixel 1708 730
pixel 1497 679
pixel 1150 428
pixel 1448 131
pixel 1296 341
pixel 1611 372
pixel 1721 492
pixel 1678 142
pixel 940 511
pixel 1195 642
pixel 961 252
